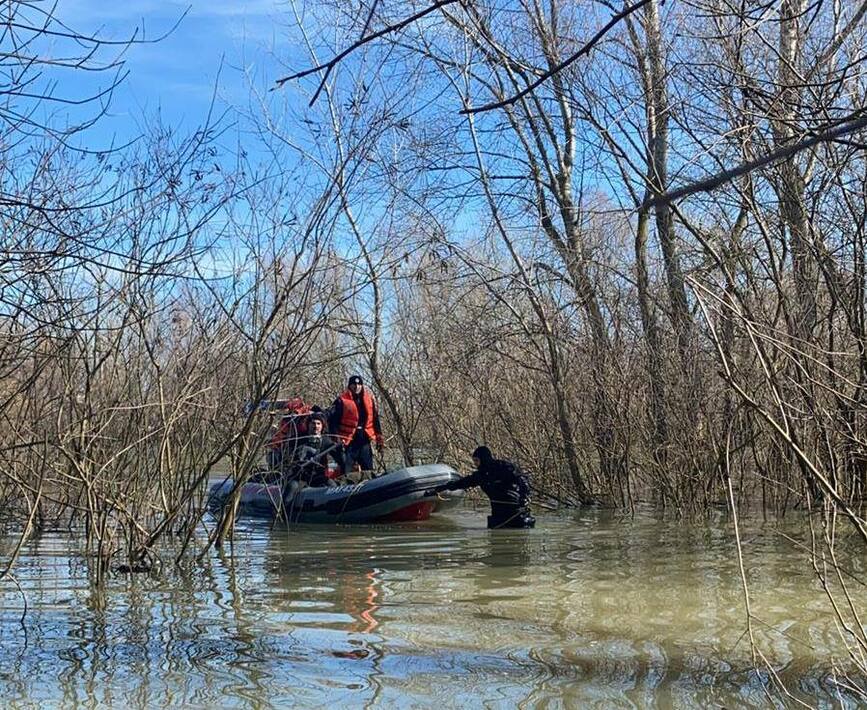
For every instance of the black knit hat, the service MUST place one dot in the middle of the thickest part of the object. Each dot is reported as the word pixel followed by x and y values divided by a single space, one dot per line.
pixel 483 453
pixel 355 380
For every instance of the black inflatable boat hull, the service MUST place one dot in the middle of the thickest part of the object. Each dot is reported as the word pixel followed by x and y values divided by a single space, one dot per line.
pixel 394 496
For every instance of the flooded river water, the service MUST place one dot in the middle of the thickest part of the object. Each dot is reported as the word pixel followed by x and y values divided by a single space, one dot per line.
pixel 589 609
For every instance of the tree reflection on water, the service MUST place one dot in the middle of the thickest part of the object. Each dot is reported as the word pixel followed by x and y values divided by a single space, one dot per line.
pixel 593 609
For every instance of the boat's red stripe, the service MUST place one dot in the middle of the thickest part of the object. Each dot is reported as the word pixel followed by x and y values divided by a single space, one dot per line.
pixel 420 510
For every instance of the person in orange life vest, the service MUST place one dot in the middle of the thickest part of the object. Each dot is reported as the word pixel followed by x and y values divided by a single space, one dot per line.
pixel 284 442
pixel 354 420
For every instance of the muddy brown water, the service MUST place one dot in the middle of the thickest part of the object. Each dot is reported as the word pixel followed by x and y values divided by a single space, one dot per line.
pixel 590 609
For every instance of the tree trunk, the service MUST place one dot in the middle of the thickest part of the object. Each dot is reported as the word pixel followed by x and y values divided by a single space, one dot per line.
pixel 564 423
pixel 650 327
pixel 658 118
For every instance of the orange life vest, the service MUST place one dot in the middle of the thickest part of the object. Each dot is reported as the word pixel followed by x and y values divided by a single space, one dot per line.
pixel 349 419
pixel 293 424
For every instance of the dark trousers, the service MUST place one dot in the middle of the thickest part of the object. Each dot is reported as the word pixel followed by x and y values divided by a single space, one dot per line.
pixel 358 451
pixel 310 468
pixel 510 516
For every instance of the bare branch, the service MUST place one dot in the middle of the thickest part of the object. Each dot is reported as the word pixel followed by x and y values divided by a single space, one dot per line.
pixel 330 64
pixel 628 10
pixel 855 122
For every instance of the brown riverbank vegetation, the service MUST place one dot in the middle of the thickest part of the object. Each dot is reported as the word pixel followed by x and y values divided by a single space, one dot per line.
pixel 630 256
pixel 623 245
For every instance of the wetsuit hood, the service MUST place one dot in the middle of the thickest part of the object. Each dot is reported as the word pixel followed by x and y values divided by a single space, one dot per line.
pixel 483 454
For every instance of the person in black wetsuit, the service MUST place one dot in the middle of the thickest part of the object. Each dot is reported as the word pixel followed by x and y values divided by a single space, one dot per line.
pixel 504 483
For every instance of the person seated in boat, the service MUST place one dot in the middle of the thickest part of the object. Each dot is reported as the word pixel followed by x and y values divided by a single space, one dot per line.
pixel 504 483
pixel 281 449
pixel 313 452
pixel 291 428
pixel 354 421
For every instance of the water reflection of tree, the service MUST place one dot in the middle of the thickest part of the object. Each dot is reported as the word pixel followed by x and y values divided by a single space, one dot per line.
pixel 512 549
pixel 328 585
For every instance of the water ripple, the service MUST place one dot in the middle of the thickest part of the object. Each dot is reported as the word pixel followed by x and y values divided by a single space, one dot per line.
pixel 591 609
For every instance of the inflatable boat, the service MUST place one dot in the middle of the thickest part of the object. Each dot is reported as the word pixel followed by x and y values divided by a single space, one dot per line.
pixel 395 496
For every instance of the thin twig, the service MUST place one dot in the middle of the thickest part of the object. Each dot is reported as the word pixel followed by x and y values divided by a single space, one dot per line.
pixel 585 49
pixel 331 63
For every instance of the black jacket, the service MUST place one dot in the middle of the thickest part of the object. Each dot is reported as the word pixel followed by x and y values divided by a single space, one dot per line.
pixel 503 482
pixel 319 449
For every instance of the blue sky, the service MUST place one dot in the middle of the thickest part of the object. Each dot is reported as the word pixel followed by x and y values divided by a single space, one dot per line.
pixel 178 75
pixel 206 55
